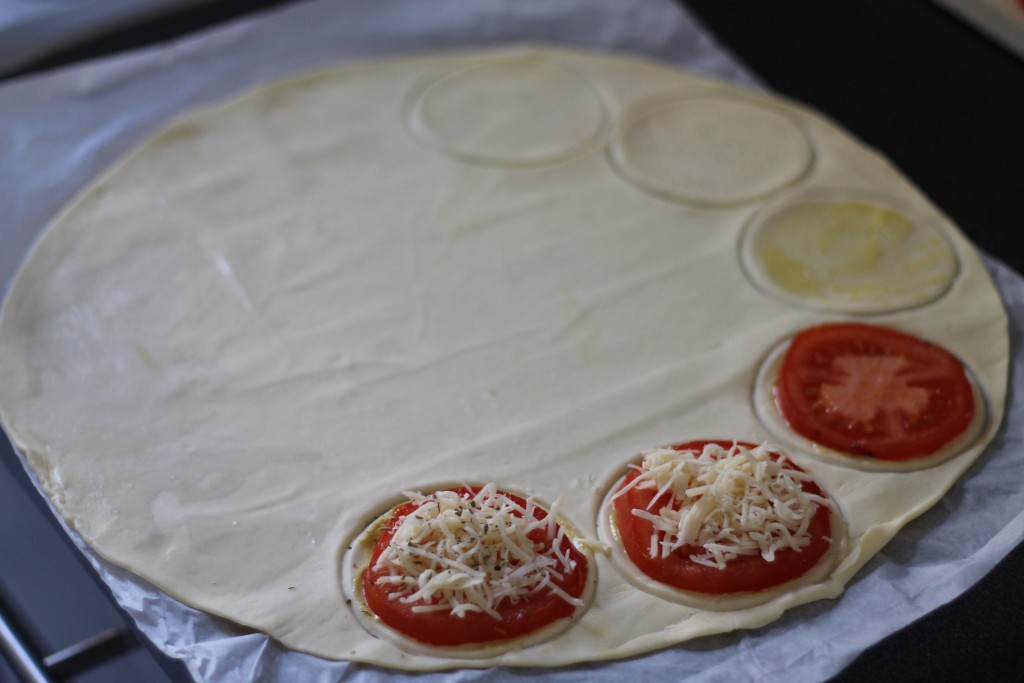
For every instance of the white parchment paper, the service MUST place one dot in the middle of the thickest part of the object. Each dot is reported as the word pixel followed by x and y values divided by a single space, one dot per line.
pixel 30 29
pixel 59 130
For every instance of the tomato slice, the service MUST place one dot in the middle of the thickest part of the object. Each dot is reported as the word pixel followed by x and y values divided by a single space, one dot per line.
pixel 872 391
pixel 745 573
pixel 441 627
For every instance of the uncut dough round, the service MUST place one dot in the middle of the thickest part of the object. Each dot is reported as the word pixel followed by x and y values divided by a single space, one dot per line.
pixel 477 114
pixel 714 150
pixel 230 354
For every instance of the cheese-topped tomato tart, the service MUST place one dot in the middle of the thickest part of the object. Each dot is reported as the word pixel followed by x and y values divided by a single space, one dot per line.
pixel 872 391
pixel 723 523
pixel 472 567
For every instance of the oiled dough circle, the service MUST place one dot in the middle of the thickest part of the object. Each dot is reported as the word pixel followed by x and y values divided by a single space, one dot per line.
pixel 846 251
pixel 712 150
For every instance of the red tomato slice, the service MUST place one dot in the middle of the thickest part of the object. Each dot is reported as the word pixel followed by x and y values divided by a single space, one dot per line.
pixel 746 573
pixel 873 391
pixel 444 629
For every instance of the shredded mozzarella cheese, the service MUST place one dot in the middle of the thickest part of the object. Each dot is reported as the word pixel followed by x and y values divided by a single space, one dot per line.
pixel 725 501
pixel 469 552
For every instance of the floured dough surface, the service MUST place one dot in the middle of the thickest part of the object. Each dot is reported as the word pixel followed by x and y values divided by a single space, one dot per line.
pixel 232 352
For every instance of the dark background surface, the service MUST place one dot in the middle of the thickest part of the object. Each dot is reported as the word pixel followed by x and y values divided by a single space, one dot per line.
pixel 941 100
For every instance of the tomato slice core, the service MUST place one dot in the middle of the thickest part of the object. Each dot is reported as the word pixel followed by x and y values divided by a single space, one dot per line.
pixel 442 628
pixel 872 391
pixel 746 573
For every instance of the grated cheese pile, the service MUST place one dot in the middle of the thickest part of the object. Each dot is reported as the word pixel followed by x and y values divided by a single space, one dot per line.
pixel 470 552
pixel 726 501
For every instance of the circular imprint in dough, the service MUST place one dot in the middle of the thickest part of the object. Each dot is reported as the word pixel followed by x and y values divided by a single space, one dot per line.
pixel 609 535
pixel 709 150
pixel 846 251
pixel 355 562
pixel 522 112
pixel 768 413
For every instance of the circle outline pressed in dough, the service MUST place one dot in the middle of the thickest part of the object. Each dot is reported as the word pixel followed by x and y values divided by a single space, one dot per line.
pixel 527 157
pixel 619 158
pixel 761 281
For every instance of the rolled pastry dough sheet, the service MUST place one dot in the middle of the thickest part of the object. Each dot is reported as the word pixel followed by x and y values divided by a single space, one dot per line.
pixel 233 350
